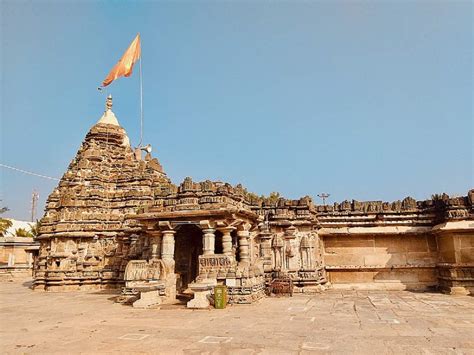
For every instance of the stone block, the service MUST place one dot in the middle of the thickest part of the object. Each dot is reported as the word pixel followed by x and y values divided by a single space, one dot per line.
pixel 415 243
pixel 404 276
pixel 466 241
pixel 428 276
pixel 420 258
pixel 397 259
pixel 466 255
pixel 389 244
pixel 349 250
pixel 148 299
pixel 376 259
pixel 355 276
pixel 432 243
pixel 349 241
pixel 344 259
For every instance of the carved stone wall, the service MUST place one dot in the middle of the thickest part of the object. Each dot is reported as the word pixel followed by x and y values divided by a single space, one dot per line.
pixel 109 206
pixel 84 235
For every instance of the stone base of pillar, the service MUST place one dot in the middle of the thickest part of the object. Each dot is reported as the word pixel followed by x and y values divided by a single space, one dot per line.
pixel 202 292
pixel 170 288
pixel 148 299
pixel 458 290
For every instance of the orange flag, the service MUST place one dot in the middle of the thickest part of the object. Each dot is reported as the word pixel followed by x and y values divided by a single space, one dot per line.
pixel 124 66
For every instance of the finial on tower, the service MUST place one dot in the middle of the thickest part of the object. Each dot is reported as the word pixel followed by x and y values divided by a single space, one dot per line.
pixel 108 117
pixel 108 103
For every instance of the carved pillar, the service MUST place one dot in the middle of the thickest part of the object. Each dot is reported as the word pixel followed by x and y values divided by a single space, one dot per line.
pixel 154 251
pixel 278 246
pixel 155 242
pixel 226 241
pixel 209 240
pixel 244 246
pixel 266 249
pixel 167 246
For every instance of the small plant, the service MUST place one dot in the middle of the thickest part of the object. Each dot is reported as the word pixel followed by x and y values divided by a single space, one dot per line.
pixel 22 232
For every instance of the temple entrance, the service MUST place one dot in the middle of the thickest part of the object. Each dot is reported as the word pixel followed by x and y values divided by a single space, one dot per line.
pixel 188 247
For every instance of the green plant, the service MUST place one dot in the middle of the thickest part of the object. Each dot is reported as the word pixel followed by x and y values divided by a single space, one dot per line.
pixel 35 227
pixel 22 232
pixel 4 225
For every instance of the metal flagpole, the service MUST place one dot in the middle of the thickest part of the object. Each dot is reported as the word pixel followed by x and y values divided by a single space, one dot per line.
pixel 141 104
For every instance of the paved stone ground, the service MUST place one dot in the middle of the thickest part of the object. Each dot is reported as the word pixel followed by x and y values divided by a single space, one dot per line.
pixel 335 322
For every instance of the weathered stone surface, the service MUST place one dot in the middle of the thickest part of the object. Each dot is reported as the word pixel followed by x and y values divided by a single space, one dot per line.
pixel 333 322
pixel 148 299
pixel 112 209
pixel 202 292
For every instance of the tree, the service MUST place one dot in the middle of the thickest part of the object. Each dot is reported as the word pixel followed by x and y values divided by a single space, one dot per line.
pixel 274 197
pixel 4 223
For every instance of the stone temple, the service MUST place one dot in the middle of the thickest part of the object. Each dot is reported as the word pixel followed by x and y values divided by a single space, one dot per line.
pixel 117 221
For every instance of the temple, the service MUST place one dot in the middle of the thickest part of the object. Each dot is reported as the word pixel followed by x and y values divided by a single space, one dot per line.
pixel 115 220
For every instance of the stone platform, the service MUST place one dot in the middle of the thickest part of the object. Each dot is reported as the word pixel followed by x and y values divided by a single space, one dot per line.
pixel 335 321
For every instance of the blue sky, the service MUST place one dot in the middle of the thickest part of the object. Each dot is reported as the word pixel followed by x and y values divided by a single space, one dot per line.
pixel 363 100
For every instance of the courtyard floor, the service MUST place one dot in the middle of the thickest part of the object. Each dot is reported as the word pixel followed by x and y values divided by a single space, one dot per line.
pixel 334 322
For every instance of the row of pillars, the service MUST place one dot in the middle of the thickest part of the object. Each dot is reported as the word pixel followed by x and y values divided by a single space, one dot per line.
pixel 209 241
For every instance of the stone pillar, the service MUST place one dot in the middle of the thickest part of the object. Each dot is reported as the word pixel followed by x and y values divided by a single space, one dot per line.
pixel 167 255
pixel 244 246
pixel 226 241
pixel 167 246
pixel 156 243
pixel 208 242
pixel 11 259
pixel 154 251
pixel 266 250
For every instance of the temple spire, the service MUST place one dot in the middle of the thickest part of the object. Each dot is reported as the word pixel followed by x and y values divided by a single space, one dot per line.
pixel 109 117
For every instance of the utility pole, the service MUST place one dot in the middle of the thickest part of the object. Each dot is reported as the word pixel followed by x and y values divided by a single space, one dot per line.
pixel 34 203
pixel 324 196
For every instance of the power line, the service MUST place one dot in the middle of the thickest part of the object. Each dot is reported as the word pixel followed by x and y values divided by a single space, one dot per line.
pixel 28 172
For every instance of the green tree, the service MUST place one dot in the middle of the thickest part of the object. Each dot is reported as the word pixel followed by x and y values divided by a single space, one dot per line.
pixel 4 223
pixel 274 197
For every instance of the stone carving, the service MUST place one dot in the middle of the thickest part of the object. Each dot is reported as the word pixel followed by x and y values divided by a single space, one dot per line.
pixel 113 219
pixel 219 266
pixel 278 255
pixel 141 272
pixel 306 253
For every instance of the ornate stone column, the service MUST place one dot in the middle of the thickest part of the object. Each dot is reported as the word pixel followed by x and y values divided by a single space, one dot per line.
pixel 167 246
pixel 244 252
pixel 155 241
pixel 226 240
pixel 266 249
pixel 167 255
pixel 208 241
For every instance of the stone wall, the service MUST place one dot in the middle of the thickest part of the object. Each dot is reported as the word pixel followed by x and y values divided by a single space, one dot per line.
pixel 110 203
pixel 16 258
pixel 455 256
pixel 381 261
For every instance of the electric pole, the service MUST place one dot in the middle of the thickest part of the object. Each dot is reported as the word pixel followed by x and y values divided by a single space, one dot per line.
pixel 324 196
pixel 34 203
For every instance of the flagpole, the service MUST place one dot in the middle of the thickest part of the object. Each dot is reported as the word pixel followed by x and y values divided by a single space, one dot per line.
pixel 141 104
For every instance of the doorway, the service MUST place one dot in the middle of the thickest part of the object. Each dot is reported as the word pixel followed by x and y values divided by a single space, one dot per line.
pixel 188 247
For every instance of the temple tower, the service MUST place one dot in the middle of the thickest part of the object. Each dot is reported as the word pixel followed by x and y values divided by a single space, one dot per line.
pixel 85 234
